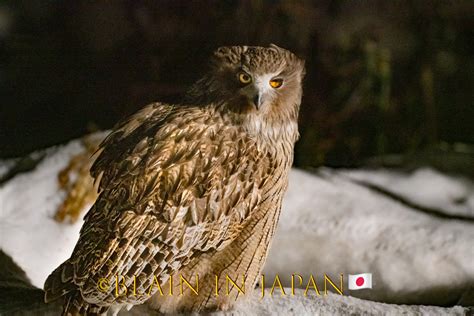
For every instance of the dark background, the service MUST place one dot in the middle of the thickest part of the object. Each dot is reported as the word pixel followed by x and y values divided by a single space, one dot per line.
pixel 383 77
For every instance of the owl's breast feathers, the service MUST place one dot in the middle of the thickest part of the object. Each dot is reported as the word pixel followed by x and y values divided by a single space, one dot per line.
pixel 174 182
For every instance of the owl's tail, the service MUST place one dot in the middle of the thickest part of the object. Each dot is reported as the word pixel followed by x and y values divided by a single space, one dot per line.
pixel 59 285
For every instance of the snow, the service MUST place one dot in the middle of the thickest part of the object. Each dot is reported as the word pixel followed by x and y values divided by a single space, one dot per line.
pixel 332 304
pixel 428 187
pixel 28 232
pixel 329 225
pixel 6 166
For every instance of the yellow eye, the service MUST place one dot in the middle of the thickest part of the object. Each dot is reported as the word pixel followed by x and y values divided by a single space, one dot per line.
pixel 244 78
pixel 276 83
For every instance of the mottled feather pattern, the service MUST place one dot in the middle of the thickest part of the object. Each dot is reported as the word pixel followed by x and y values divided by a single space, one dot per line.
pixel 204 194
pixel 193 189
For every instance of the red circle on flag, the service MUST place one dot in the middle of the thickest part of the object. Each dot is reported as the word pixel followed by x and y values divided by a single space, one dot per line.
pixel 360 281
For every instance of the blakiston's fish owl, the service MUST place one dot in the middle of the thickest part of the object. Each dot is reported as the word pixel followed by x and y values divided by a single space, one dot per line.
pixel 193 190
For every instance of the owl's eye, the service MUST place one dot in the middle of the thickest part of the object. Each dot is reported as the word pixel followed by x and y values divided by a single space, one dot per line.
pixel 276 83
pixel 244 78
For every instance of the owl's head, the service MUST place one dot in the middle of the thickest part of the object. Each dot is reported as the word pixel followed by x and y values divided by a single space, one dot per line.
pixel 265 82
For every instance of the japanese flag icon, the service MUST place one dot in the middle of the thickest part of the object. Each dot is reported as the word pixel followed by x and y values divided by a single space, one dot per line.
pixel 360 281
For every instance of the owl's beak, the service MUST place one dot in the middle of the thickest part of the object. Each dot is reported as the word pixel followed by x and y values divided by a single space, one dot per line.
pixel 257 100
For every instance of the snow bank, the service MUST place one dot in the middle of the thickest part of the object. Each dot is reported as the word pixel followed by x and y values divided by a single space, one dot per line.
pixel 6 166
pixel 331 304
pixel 331 225
pixel 28 231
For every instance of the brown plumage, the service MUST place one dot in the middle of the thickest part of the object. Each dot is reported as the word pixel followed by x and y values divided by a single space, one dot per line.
pixel 190 189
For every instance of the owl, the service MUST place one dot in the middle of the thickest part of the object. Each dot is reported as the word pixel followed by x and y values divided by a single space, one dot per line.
pixel 189 191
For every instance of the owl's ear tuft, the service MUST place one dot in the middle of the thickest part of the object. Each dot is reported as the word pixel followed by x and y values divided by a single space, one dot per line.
pixel 229 54
pixel 222 51
pixel 276 47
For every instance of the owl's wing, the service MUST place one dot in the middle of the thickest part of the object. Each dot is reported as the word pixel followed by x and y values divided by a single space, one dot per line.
pixel 118 145
pixel 171 189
